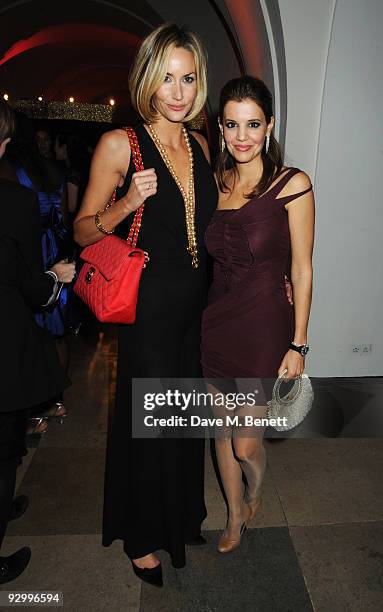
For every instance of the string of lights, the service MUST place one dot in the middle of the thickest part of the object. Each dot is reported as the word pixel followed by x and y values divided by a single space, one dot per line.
pixel 71 99
pixel 71 110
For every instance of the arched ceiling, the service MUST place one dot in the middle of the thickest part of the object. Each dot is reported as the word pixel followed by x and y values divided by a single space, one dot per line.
pixel 100 37
pixel 84 48
pixel 88 61
pixel 73 34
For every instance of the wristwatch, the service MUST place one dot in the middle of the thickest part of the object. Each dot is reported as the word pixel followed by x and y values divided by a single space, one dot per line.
pixel 303 349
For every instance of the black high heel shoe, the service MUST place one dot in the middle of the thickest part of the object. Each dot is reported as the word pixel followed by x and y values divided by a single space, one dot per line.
pixel 11 567
pixel 151 575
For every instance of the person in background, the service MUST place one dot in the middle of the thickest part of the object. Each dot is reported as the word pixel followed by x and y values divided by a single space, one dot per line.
pixel 30 369
pixel 72 152
pixel 25 164
pixel 44 143
pixel 73 158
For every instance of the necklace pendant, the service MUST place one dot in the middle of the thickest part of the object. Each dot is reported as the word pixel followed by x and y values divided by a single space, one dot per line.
pixel 194 254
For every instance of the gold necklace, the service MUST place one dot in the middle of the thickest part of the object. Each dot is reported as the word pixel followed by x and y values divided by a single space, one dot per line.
pixel 188 198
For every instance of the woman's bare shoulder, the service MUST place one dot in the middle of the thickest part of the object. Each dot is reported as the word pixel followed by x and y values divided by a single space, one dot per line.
pixel 300 181
pixel 113 151
pixel 115 141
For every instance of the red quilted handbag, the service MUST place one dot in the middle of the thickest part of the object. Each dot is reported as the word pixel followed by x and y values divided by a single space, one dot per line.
pixel 109 279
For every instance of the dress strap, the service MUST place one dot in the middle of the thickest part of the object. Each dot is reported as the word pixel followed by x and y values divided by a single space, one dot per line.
pixel 278 187
pixel 294 196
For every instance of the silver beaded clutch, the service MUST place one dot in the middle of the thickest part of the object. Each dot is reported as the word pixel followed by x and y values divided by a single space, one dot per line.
pixel 294 406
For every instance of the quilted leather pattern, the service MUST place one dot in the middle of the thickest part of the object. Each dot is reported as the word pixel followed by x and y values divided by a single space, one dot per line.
pixel 109 256
pixel 109 279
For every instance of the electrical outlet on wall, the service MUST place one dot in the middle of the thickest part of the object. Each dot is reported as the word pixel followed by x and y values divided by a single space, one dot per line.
pixel 366 349
pixel 362 349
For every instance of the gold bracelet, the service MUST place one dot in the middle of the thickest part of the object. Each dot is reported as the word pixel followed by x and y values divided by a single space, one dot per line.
pixel 99 225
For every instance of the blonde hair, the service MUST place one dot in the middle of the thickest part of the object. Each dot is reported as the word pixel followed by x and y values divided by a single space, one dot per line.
pixel 149 69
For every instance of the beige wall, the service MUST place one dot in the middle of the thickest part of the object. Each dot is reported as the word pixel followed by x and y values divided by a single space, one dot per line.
pixel 335 133
pixel 306 29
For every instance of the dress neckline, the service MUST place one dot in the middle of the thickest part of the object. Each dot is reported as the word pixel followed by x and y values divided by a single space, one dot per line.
pixel 259 197
pixel 191 138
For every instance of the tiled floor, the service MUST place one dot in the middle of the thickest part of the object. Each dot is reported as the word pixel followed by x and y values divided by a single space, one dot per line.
pixel 316 544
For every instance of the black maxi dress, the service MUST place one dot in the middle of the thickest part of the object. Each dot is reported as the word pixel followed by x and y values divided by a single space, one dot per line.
pixel 154 488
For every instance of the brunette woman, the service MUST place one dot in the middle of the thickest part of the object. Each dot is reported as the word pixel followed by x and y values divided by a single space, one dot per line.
pixel 250 332
pixel 154 487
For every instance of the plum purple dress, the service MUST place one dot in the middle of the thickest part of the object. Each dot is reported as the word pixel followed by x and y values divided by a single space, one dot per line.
pixel 248 324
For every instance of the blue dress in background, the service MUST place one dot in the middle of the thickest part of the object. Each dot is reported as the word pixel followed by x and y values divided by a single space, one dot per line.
pixel 53 235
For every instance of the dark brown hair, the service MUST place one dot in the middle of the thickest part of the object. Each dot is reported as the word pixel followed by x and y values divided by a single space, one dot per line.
pixel 7 121
pixel 23 152
pixel 249 88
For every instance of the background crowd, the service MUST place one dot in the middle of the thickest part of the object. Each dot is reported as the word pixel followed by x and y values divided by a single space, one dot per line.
pixel 54 163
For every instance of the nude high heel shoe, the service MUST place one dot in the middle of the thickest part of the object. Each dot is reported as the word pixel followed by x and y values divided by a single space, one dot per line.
pixel 227 544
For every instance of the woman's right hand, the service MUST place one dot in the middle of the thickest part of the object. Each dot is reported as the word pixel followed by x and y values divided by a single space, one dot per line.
pixel 142 186
pixel 108 169
pixel 65 271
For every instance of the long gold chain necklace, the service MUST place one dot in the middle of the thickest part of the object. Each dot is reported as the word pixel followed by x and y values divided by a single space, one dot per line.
pixel 188 198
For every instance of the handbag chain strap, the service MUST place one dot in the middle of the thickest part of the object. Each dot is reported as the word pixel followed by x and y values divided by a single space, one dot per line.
pixel 139 165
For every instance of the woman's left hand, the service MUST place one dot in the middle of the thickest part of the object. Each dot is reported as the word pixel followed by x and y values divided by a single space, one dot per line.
pixel 294 363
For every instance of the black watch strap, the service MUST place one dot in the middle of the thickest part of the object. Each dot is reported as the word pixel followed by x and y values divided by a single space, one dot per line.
pixel 303 349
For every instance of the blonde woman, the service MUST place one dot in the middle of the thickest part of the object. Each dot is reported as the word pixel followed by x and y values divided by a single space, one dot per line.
pixel 154 487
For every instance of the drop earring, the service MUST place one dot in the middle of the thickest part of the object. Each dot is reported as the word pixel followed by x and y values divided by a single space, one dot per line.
pixel 267 143
pixel 223 144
